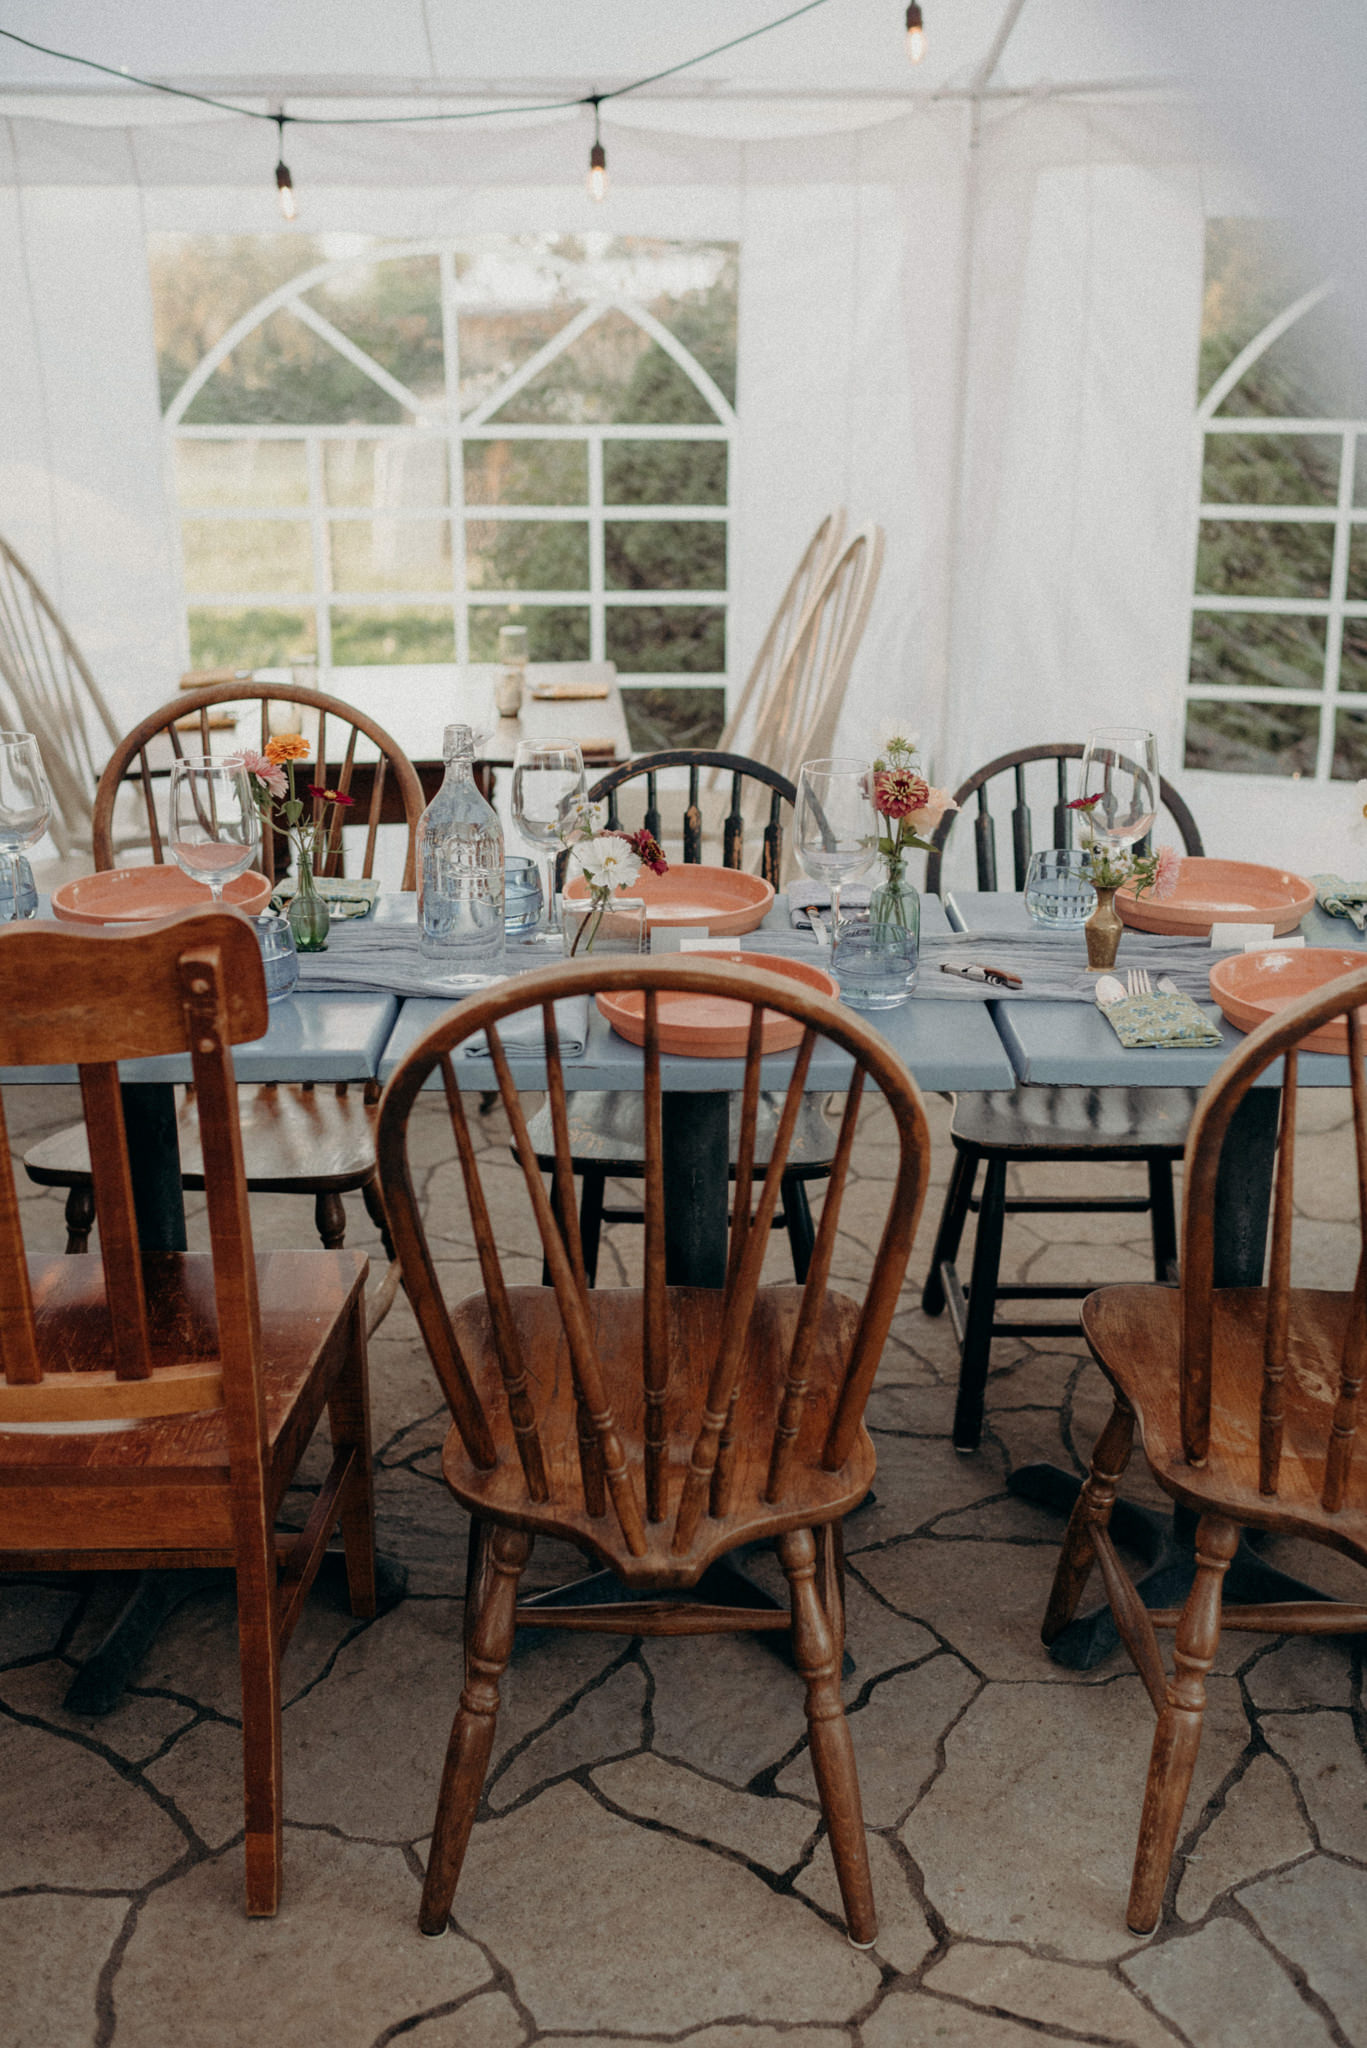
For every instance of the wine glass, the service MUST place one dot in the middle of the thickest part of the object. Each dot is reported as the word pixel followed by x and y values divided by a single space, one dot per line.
pixel 837 831
pixel 25 807
pixel 1120 766
pixel 546 778
pixel 215 828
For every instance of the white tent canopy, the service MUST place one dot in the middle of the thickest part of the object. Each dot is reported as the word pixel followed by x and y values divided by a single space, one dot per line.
pixel 970 302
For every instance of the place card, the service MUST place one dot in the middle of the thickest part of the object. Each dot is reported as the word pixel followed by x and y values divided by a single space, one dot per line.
pixel 1237 938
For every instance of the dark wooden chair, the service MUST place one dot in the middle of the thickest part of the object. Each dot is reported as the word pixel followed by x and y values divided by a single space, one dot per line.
pixel 1246 1400
pixel 211 1370
pixel 1079 1126
pixel 606 1141
pixel 296 1140
pixel 655 1428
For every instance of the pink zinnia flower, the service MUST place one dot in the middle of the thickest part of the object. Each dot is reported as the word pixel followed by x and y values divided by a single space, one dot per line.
pixel 1165 874
pixel 897 792
pixel 266 772
pixel 647 849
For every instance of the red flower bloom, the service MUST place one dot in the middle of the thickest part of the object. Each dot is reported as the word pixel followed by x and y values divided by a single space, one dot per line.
pixel 647 850
pixel 899 791
pixel 331 796
pixel 1084 803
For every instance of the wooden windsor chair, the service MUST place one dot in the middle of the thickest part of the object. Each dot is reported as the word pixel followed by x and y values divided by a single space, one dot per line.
pixel 53 695
pixel 298 1139
pixel 210 1370
pixel 1246 1402
pixel 606 1134
pixel 1036 1125
pixel 655 1428
pixel 754 703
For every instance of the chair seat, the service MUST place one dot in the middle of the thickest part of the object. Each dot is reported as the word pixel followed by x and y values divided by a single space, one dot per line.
pixel 1135 1334
pixel 1037 1120
pixel 607 1129
pixel 696 1321
pixel 304 1297
pixel 292 1138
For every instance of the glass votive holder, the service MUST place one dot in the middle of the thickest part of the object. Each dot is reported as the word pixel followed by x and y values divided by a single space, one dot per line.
pixel 521 896
pixel 18 893
pixel 512 644
pixel 616 927
pixel 1059 893
pixel 278 955
pixel 875 964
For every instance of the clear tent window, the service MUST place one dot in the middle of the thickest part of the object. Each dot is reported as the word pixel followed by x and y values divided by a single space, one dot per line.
pixel 384 452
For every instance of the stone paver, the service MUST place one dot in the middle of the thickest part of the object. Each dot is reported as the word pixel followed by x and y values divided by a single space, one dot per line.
pixel 772 1832
pixel 1225 1990
pixel 1086 2001
pixel 1323 1752
pixel 50 1962
pixel 1259 1827
pixel 1313 1913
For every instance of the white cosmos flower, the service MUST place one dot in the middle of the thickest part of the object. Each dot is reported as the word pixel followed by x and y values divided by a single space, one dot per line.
pixel 580 819
pixel 608 862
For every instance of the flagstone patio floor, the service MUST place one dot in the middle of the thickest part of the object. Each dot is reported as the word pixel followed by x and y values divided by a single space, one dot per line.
pixel 649 1864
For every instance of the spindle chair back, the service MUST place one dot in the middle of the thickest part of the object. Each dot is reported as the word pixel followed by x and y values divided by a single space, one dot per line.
pixel 333 729
pixel 655 1428
pixel 1247 1405
pixel 154 1405
pixel 54 696
pixel 804 708
pixel 754 788
pixel 754 701
pixel 1061 820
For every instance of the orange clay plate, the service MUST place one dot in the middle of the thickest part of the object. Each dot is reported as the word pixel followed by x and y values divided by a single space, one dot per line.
pixel 1251 987
pixel 720 901
pixel 1219 892
pixel 715 1027
pixel 137 895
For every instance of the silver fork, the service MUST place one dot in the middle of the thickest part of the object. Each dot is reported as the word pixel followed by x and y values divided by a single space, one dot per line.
pixel 1137 981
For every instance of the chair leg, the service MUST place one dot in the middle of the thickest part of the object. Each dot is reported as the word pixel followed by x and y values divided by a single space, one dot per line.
pixel 329 1219
pixel 837 1782
pixel 982 1307
pixel 801 1236
pixel 472 1733
pixel 830 1578
pixel 1178 1737
pixel 374 1208
pixel 953 1217
pixel 1163 1221
pixel 349 1425
pixel 259 1651
pixel 591 1199
pixel 80 1216
pixel 1091 1512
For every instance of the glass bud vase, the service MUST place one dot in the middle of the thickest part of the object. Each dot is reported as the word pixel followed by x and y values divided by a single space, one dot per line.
pixel 896 904
pixel 613 925
pixel 310 919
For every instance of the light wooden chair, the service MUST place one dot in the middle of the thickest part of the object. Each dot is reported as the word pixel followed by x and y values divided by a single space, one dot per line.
pixel 800 719
pixel 296 1140
pixel 1246 1401
pixel 655 1429
pixel 1024 1126
pixel 211 1370
pixel 818 558
pixel 54 696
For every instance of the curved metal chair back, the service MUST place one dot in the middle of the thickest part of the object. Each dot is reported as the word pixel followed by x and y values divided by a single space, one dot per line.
pixel 804 708
pixel 1022 829
pixel 138 760
pixel 54 696
pixel 742 771
pixel 818 557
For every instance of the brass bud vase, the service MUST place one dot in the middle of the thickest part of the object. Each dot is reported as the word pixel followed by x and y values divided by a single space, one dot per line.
pixel 1103 929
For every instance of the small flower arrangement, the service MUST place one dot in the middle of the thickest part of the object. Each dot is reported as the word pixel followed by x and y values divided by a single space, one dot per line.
pixel 1113 866
pixel 304 819
pixel 909 810
pixel 608 861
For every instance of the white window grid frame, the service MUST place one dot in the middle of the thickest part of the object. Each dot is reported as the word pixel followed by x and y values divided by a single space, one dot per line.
pixel 444 424
pixel 1343 515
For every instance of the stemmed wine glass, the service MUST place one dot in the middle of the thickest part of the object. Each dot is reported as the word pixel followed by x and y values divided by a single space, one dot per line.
pixel 837 834
pixel 215 827
pixel 546 777
pixel 1120 766
pixel 25 807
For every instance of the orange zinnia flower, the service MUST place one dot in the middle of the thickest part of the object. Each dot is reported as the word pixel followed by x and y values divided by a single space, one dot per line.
pixel 287 746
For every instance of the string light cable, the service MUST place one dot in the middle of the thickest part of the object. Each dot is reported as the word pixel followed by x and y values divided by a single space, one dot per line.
pixel 598 181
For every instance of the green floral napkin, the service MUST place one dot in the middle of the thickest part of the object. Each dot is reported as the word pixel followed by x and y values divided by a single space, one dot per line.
pixel 345 896
pixel 1160 1020
pixel 1342 899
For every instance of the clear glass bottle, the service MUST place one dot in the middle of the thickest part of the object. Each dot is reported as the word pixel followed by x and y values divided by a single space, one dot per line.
pixel 460 873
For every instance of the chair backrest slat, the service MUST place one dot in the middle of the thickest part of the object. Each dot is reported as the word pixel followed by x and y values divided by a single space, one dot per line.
pixel 1272 1410
pixel 1338 1464
pixel 18 1345
pixel 113 1189
pixel 590 1452
pixel 689 1413
pixel 766 673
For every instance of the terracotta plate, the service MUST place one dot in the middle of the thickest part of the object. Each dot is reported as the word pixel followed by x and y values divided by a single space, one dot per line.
pixel 1251 987
pixel 1220 892
pixel 715 1027
pixel 721 901
pixel 137 895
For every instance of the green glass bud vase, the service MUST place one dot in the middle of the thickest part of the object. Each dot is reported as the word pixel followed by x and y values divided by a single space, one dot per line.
pixel 310 919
